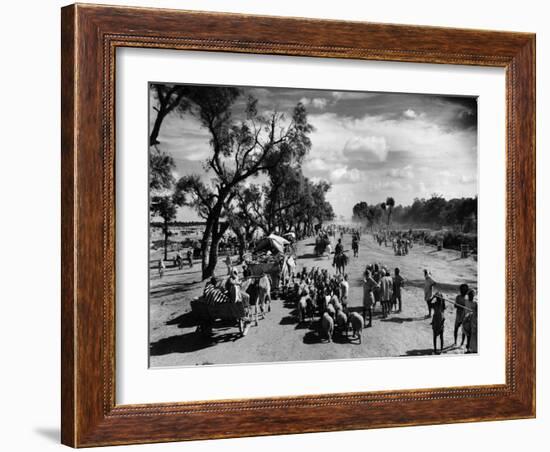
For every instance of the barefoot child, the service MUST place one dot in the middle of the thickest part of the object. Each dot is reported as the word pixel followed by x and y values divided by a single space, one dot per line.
pixel 437 303
pixel 460 311
pixel 469 325
pixel 429 284
pixel 369 284
pixel 161 268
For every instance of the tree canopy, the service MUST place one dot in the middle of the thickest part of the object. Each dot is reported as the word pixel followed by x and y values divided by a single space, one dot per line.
pixel 242 148
pixel 434 211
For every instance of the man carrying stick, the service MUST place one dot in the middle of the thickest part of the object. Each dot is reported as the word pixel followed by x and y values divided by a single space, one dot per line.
pixel 460 311
pixel 438 320
pixel 369 284
pixel 398 282
pixel 429 284
pixel 386 284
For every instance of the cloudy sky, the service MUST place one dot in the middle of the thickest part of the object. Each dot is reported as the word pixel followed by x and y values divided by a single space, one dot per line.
pixel 368 145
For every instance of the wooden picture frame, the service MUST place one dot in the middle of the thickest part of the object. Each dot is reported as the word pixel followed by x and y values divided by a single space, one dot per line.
pixel 90 36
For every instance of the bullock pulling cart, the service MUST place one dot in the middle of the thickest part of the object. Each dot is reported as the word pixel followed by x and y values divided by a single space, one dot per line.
pixel 215 309
pixel 273 257
pixel 322 243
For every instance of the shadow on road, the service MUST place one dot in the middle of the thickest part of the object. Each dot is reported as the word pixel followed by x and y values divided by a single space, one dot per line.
pixel 403 319
pixel 441 286
pixel 427 351
pixel 288 320
pixel 419 352
pixel 312 337
pixel 316 336
pixel 173 289
pixel 190 342
pixel 187 320
pixel 311 256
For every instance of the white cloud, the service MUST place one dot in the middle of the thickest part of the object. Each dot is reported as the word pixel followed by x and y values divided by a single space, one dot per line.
pixel 198 154
pixel 317 164
pixel 346 95
pixel 464 179
pixel 410 114
pixel 345 175
pixel 401 173
pixel 367 148
pixel 317 102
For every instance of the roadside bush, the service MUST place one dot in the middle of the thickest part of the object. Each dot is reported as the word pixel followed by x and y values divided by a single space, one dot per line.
pixel 451 239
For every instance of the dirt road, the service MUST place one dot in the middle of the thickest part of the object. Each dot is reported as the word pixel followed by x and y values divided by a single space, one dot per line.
pixel 279 337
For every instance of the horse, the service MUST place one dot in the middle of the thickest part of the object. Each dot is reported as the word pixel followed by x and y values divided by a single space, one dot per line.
pixel 355 247
pixel 340 261
pixel 259 291
pixel 264 293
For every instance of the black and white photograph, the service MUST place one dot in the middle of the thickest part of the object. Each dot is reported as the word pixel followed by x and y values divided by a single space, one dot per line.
pixel 290 224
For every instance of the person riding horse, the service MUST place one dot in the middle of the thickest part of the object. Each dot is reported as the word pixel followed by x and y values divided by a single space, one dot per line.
pixel 340 259
pixel 339 249
pixel 355 245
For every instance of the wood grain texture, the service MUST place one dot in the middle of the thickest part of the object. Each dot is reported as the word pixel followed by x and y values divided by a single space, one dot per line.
pixel 90 36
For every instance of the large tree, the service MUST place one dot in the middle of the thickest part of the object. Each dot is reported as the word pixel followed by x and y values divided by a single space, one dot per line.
pixel 161 170
pixel 390 204
pixel 167 99
pixel 163 202
pixel 245 215
pixel 434 211
pixel 360 211
pixel 166 207
pixel 241 149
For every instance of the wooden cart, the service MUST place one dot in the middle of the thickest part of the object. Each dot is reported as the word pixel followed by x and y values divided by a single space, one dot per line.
pixel 210 315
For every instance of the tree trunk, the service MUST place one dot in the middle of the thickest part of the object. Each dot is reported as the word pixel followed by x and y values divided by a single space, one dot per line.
pixel 213 255
pixel 242 247
pixel 210 255
pixel 153 138
pixel 204 244
pixel 166 232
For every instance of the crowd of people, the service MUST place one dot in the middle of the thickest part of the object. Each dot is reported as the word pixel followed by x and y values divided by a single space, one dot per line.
pixel 401 241
pixel 316 293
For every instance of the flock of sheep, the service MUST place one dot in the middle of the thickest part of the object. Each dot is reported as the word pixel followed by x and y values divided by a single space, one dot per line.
pixel 317 294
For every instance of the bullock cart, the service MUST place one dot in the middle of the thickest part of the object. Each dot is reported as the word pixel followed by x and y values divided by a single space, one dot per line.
pixel 212 315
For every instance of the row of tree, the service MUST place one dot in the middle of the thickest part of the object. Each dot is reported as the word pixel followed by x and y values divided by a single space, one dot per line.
pixel 435 211
pixel 268 144
pixel 372 214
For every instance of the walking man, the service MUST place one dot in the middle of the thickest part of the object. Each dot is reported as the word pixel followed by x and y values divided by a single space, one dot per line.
pixel 228 264
pixel 429 284
pixel 344 292
pixel 369 284
pixel 161 268
pixel 386 284
pixel 398 282
pixel 438 321
pixel 460 311
pixel 355 246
